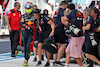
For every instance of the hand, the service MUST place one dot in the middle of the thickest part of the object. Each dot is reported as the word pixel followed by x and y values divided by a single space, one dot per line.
pixel 10 29
pixel 51 34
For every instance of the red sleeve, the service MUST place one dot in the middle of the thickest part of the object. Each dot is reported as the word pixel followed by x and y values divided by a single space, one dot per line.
pixel 9 14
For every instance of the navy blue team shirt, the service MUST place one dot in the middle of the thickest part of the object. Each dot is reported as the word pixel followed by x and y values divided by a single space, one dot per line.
pixel 78 24
pixel 89 20
pixel 57 19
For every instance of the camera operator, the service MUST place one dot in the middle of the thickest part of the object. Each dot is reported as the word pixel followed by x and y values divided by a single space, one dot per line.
pixel 89 37
pixel 75 46
pixel 48 28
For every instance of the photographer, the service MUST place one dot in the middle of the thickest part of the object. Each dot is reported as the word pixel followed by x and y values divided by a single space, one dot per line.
pixel 75 46
pixel 89 37
pixel 48 28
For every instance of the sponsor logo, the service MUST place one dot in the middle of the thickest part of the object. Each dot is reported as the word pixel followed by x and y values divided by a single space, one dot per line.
pixel 53 45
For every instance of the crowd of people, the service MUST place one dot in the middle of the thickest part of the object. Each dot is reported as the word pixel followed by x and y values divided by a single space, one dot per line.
pixel 85 36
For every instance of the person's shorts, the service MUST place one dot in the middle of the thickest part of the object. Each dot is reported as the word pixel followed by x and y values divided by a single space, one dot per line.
pixel 36 34
pixel 60 37
pixel 41 37
pixel 87 46
pixel 35 45
pixel 75 46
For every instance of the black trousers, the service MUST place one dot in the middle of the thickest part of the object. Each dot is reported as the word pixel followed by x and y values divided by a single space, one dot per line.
pixel 14 37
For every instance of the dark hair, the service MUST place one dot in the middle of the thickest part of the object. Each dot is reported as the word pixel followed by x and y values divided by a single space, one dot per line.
pixel 63 3
pixel 35 6
pixel 16 3
pixel 71 6
pixel 96 11
pixel 37 11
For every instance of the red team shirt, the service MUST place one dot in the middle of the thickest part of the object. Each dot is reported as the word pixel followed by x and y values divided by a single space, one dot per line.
pixel 14 18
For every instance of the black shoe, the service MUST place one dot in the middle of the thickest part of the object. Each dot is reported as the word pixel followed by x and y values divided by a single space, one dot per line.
pixel 54 64
pixel 59 63
pixel 39 63
pixel 47 64
pixel 42 58
pixel 35 59
pixel 12 55
pixel 90 65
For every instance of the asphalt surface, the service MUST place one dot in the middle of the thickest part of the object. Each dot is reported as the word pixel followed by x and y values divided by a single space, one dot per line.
pixel 5 47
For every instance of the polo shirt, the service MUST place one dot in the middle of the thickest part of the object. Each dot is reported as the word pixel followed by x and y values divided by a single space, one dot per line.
pixel 14 18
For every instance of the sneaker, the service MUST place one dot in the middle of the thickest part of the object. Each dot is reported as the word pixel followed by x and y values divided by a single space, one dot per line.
pixel 35 59
pixel 47 64
pixel 16 52
pixel 42 58
pixel 39 63
pixel 12 55
pixel 54 64
pixel 59 63
pixel 25 63
pixel 90 65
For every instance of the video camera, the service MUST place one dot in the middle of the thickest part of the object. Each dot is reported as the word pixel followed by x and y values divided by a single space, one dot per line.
pixel 72 28
pixel 44 14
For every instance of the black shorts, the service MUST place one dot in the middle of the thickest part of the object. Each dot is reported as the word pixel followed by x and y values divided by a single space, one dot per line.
pixel 36 34
pixel 60 37
pixel 87 46
pixel 41 37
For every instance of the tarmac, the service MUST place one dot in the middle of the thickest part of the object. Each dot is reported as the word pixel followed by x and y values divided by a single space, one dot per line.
pixel 7 61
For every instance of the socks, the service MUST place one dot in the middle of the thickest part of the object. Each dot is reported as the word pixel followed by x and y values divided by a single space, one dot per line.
pixel 66 65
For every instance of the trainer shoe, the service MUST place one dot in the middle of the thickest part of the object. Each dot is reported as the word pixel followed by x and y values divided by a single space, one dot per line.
pixel 39 63
pixel 59 63
pixel 54 64
pixel 47 64
pixel 16 52
pixel 35 59
pixel 12 55
pixel 25 63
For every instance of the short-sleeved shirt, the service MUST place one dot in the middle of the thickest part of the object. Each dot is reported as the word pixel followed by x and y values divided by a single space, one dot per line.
pixel 57 18
pixel 79 23
pixel 89 20
pixel 97 24
pixel 14 18
pixel 46 28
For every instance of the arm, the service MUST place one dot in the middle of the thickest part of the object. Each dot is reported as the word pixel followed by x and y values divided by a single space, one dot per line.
pixel 23 23
pixel 98 29
pixel 87 27
pixel 7 20
pixel 39 26
pixel 64 20
pixel 50 22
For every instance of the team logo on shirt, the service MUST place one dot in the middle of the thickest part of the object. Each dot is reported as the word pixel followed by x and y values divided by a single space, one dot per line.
pixel 57 10
pixel 79 13
pixel 30 22
pixel 14 14
pixel 88 20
